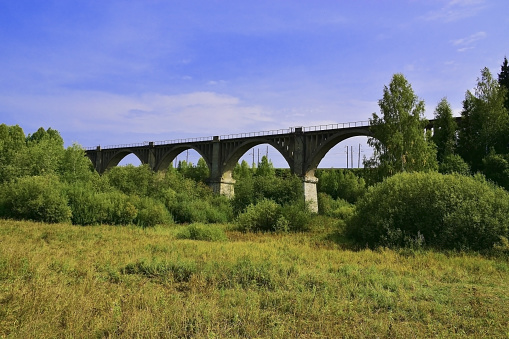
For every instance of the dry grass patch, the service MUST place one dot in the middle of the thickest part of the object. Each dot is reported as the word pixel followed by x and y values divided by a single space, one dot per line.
pixel 103 281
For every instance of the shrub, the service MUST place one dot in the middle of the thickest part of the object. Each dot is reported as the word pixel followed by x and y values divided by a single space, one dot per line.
pixel 115 208
pixel 189 210
pixel 202 232
pixel 38 198
pixel 496 169
pixel 441 211
pixel 267 215
pixel 297 216
pixel 341 184
pixel 264 216
pixel 454 163
pixel 85 207
pixel 131 179
pixel 336 208
pixel 283 191
pixel 151 212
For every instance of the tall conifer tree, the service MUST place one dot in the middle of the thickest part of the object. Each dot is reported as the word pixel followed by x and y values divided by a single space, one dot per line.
pixel 503 80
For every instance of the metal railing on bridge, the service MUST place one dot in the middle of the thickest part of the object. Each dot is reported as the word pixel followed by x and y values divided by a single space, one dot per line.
pixel 364 123
pixel 336 126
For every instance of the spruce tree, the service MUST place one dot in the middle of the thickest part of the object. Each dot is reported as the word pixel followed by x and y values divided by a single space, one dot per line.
pixel 503 80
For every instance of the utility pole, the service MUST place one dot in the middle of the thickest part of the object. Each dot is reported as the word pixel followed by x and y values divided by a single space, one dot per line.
pixel 346 156
pixel 359 160
pixel 351 156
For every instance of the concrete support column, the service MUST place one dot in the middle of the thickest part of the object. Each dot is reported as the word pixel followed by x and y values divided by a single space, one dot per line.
pixel 223 186
pixel 299 167
pixel 221 183
pixel 310 193
pixel 98 160
pixel 151 156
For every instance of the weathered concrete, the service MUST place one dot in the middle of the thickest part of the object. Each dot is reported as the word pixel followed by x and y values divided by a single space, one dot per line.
pixel 310 193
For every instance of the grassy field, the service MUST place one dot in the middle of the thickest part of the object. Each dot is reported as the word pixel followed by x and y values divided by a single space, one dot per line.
pixel 103 281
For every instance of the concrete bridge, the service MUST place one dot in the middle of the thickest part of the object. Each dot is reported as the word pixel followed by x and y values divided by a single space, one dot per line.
pixel 302 147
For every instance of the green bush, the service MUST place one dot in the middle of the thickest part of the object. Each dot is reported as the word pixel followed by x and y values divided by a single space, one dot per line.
pixel 151 212
pixel 115 208
pixel 38 198
pixel 454 163
pixel 496 169
pixel 283 191
pixel 341 184
pixel 85 207
pixel 202 232
pixel 131 179
pixel 440 211
pixel 266 215
pixel 297 216
pixel 336 208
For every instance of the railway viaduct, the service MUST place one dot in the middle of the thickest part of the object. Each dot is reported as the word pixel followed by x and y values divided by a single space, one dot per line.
pixel 302 147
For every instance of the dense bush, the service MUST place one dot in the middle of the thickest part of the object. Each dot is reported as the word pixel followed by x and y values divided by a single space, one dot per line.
pixel 341 184
pixel 251 190
pixel 38 198
pixel 440 211
pixel 264 216
pixel 297 215
pixel 453 163
pixel 202 232
pixel 85 206
pixel 131 179
pixel 151 212
pixel 496 169
pixel 267 215
pixel 337 208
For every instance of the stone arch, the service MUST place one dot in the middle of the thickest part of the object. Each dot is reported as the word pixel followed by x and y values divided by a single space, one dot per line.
pixel 171 154
pixel 233 158
pixel 118 156
pixel 327 145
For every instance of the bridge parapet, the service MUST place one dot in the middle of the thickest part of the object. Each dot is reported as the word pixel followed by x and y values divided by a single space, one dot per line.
pixel 327 127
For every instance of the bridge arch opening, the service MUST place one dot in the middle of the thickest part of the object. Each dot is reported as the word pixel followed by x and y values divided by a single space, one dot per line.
pixel 255 154
pixel 191 165
pixel 349 153
pixel 252 152
pixel 123 158
pixel 130 159
pixel 180 157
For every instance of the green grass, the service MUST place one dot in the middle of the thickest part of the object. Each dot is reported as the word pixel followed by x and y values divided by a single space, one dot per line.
pixel 103 281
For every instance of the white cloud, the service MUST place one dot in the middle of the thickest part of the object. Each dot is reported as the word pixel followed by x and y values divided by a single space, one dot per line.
pixel 203 113
pixel 456 10
pixel 467 43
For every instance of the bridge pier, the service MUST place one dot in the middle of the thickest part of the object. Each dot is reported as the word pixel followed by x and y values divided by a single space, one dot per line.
pixel 311 193
pixel 223 186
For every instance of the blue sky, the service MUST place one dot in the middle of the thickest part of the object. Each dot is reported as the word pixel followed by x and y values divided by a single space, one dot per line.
pixel 119 72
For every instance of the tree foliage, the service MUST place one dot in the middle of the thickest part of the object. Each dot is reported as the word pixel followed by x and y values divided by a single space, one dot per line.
pixel 485 122
pixel 503 80
pixel 399 141
pixel 444 130
pixel 341 184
